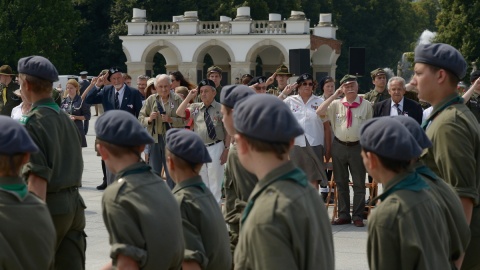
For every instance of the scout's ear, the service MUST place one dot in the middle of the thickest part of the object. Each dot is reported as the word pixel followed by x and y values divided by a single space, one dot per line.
pixel 103 151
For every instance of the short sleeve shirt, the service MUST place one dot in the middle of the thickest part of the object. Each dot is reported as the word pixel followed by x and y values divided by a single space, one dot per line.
pixel 197 112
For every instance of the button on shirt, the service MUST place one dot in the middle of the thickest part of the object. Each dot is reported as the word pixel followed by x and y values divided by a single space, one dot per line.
pixel 337 115
pixel 393 110
pixel 120 95
pixel 197 111
pixel 306 115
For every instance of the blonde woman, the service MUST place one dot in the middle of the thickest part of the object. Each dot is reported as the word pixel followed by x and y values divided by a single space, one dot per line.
pixel 74 106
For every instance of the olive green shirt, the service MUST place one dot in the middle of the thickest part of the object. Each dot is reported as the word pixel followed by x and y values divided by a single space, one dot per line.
pixel 29 237
pixel 197 111
pixel 407 230
pixel 374 96
pixel 474 105
pixel 287 228
pixel 218 90
pixel 204 230
pixel 143 219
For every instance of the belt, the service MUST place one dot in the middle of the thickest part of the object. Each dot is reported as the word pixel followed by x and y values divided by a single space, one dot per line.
pixel 213 143
pixel 69 189
pixel 346 143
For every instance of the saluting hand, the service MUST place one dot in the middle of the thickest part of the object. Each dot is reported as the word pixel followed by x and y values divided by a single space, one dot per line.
pixel 192 94
pixel 271 79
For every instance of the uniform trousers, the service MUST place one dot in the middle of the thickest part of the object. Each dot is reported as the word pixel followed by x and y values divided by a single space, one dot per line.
pixel 157 159
pixel 345 158
pixel 212 173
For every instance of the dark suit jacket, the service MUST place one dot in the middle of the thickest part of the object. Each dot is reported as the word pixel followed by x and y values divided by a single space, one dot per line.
pixel 410 108
pixel 132 99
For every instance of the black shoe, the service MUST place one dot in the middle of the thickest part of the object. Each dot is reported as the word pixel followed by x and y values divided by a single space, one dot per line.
pixel 102 186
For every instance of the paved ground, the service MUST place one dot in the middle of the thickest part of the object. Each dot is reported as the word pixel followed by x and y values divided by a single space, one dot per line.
pixel 349 241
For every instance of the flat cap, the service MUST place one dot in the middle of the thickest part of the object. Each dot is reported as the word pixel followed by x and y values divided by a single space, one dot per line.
pixel 84 73
pixel 187 145
pixel 415 129
pixel 121 128
pixel 258 79
pixel 283 70
pixel 231 94
pixel 389 139
pixel 377 72
pixel 206 82
pixel 347 79
pixel 474 76
pixel 39 67
pixel 443 56
pixel 304 77
pixel 266 118
pixel 112 71
pixel 214 69
pixel 14 138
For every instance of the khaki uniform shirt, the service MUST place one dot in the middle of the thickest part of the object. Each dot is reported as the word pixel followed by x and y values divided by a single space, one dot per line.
pixel 287 228
pixel 407 230
pixel 204 230
pixel 170 107
pixel 337 115
pixel 27 234
pixel 373 96
pixel 197 111
pixel 143 219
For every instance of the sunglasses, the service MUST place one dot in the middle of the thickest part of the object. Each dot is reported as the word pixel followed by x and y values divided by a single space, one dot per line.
pixel 307 84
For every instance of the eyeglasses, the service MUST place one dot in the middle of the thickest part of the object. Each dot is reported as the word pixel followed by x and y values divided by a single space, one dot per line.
pixel 307 84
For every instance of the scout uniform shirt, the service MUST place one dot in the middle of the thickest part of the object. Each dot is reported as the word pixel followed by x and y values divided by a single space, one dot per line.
pixel 337 115
pixel 204 230
pixel 26 226
pixel 151 105
pixel 374 96
pixel 143 219
pixel 407 230
pixel 197 111
pixel 287 226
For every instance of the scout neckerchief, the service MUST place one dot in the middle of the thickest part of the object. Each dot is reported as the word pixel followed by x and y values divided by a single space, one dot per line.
pixel 296 175
pixel 19 189
pixel 200 184
pixel 425 171
pixel 51 105
pixel 138 168
pixel 435 113
pixel 412 181
pixel 349 110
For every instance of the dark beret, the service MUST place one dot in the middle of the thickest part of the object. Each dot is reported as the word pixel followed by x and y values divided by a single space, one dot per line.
pixel 112 71
pixel 259 79
pixel 266 118
pixel 442 56
pixel 205 82
pixel 14 138
pixel 231 94
pixel 377 72
pixel 348 78
pixel 214 69
pixel 121 128
pixel 304 77
pixel 39 67
pixel 187 145
pixel 415 129
pixel 389 138
pixel 474 76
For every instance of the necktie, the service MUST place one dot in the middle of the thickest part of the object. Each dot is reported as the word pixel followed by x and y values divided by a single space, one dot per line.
pixel 399 112
pixel 117 103
pixel 210 127
pixel 349 110
pixel 4 95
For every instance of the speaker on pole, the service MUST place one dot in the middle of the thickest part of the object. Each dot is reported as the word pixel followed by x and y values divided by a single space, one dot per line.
pixel 299 61
pixel 356 62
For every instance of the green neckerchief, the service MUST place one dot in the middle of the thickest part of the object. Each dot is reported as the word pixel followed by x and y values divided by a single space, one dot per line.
pixel 296 175
pixel 455 100
pixel 412 181
pixel 136 168
pixel 427 172
pixel 20 189
pixel 195 181
pixel 45 103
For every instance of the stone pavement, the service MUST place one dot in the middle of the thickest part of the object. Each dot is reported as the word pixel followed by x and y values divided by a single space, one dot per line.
pixel 350 242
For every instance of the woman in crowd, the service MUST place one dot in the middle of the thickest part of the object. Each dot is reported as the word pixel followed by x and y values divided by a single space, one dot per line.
pixel 309 148
pixel 22 109
pixel 178 80
pixel 73 105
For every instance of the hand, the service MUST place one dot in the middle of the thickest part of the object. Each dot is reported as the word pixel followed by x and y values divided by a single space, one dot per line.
pixel 289 89
pixel 72 117
pixel 192 94
pixel 94 80
pixel 271 79
pixel 153 116
pixel 338 92
pixel 166 118
pixel 476 85
pixel 101 80
pixel 253 86
pixel 223 157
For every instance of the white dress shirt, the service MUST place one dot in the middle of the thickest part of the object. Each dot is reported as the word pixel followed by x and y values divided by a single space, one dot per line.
pixel 120 95
pixel 393 110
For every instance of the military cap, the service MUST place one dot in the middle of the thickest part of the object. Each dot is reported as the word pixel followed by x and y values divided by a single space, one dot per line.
pixel 231 94
pixel 347 79
pixel 6 70
pixel 214 69
pixel 38 66
pixel 443 56
pixel 258 79
pixel 415 129
pixel 14 138
pixel 304 77
pixel 283 70
pixel 84 73
pixel 377 72
pixel 389 139
pixel 474 76
pixel 187 145
pixel 206 82
pixel 121 128
pixel 112 71
pixel 266 118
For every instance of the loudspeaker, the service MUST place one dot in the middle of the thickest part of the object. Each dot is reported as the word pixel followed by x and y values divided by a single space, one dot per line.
pixel 299 61
pixel 356 62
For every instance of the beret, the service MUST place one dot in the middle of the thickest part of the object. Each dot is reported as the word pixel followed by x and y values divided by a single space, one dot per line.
pixel 377 72
pixel 304 77
pixel 389 138
pixel 205 82
pixel 231 94
pixel 187 145
pixel 38 66
pixel 121 128
pixel 14 138
pixel 348 78
pixel 266 118
pixel 84 73
pixel 259 79
pixel 283 70
pixel 112 71
pixel 443 56
pixel 415 129
pixel 214 69
pixel 474 76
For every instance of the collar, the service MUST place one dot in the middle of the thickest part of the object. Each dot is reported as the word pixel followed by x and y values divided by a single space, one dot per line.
pixel 299 98
pixel 409 180
pixel 121 91
pixel 195 181
pixel 443 102
pixel 274 175
pixel 357 99
pixel 393 103
pixel 43 102
pixel 211 104
pixel 135 168
pixel 376 92
pixel 14 185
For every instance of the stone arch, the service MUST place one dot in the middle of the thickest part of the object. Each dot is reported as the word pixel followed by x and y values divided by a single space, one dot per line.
pixel 214 44
pixel 263 45
pixel 127 54
pixel 324 55
pixel 171 53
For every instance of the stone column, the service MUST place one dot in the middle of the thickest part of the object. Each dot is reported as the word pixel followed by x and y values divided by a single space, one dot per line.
pixel 189 71
pixel 240 68
pixel 135 69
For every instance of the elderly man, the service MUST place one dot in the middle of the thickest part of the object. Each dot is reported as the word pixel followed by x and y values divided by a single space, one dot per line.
pixel 398 104
pixel 379 80
pixel 214 74
pixel 8 100
pixel 346 115
pixel 142 84
pixel 454 132
pixel 207 119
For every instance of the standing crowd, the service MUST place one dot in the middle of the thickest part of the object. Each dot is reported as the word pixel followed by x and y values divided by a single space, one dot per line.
pixel 173 153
